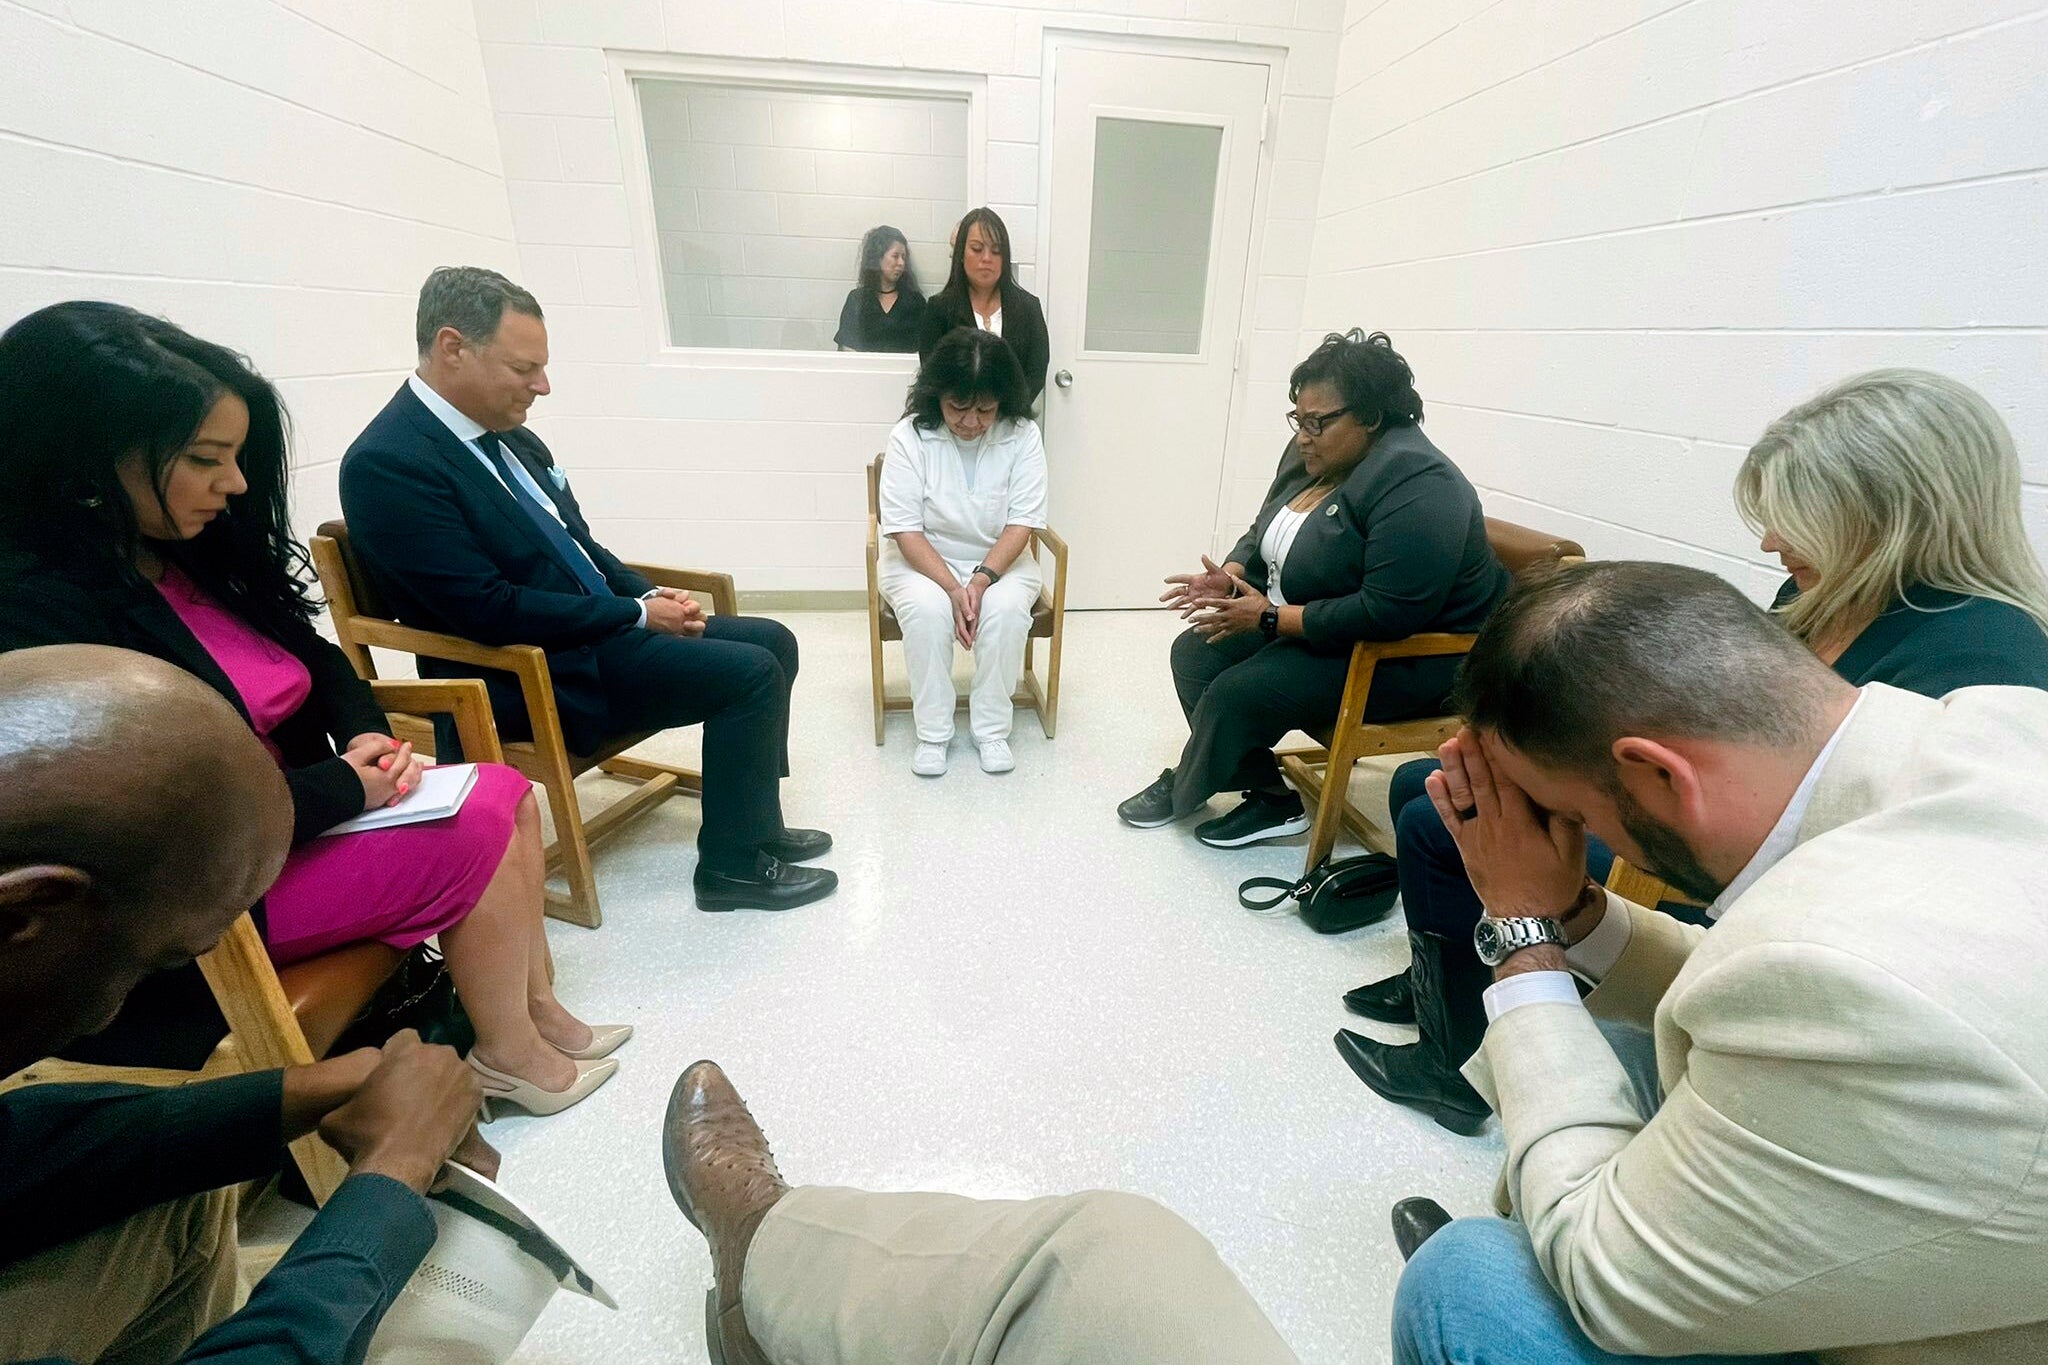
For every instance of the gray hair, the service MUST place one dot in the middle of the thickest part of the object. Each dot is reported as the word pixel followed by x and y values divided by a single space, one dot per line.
pixel 1577 658
pixel 1890 480
pixel 470 299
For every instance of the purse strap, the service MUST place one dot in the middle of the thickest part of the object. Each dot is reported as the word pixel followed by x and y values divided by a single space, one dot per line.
pixel 1285 890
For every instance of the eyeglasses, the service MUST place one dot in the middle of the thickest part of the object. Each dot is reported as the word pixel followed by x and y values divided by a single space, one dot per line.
pixel 1313 422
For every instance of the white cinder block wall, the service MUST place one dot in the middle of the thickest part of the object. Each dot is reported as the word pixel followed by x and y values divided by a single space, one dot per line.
pixel 1617 237
pixel 758 469
pixel 278 176
pixel 762 199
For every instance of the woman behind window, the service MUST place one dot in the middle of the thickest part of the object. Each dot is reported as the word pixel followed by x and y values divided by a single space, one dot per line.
pixel 982 294
pixel 146 474
pixel 1893 501
pixel 884 311
pixel 1369 532
pixel 963 487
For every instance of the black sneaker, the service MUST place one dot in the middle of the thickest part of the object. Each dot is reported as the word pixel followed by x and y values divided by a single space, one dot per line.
pixel 1152 807
pixel 1259 817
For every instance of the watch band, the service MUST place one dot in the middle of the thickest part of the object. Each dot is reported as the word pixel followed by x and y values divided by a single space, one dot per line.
pixel 993 576
pixel 1497 940
pixel 1269 623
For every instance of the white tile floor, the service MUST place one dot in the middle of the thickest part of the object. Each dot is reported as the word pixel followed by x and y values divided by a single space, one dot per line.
pixel 1012 994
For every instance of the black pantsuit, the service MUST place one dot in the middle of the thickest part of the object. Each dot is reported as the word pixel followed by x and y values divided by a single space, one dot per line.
pixel 1400 547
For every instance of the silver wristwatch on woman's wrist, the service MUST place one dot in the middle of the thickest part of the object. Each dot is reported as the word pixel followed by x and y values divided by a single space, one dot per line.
pixel 1497 940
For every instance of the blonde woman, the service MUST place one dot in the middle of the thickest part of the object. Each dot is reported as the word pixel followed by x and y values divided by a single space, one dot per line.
pixel 1893 501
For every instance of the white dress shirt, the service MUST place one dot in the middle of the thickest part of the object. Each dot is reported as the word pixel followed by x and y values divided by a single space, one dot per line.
pixel 1593 956
pixel 1275 546
pixel 466 429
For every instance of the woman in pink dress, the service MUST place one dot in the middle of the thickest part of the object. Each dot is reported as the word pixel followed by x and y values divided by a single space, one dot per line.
pixel 146 474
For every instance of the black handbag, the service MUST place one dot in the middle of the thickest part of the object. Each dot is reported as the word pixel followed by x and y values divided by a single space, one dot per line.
pixel 419 995
pixel 1335 897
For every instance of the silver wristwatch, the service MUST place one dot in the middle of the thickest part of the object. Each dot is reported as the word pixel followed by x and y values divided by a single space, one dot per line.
pixel 1496 940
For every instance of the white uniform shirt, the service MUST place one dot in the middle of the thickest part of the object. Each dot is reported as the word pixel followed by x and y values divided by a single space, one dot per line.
pixel 961 496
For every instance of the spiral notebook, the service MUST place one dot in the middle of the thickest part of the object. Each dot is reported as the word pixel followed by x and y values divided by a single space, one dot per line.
pixel 440 794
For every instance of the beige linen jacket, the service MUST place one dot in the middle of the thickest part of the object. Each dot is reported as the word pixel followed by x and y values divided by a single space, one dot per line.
pixel 1853 1145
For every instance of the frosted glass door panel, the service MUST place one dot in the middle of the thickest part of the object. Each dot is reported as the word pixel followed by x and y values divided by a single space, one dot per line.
pixel 1148 243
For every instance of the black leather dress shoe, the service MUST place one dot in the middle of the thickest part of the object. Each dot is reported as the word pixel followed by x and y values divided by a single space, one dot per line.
pixel 1151 807
pixel 1391 1001
pixel 799 845
pixel 1415 1222
pixel 1406 1076
pixel 774 885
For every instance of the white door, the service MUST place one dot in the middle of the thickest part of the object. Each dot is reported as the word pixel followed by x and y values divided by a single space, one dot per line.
pixel 1154 166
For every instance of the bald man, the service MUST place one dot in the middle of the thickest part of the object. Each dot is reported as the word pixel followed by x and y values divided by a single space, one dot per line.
pixel 138 817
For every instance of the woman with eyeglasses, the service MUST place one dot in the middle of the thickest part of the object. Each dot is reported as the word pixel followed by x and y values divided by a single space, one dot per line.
pixel 1368 533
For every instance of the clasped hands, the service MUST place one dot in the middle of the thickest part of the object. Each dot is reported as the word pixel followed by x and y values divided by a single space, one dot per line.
pixel 388 768
pixel 671 611
pixel 1521 858
pixel 1217 602
pixel 966 598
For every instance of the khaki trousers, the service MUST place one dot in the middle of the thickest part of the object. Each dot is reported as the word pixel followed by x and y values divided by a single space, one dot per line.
pixel 137 1292
pixel 841 1277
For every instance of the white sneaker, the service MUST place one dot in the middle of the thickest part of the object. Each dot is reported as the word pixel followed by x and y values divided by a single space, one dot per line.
pixel 930 760
pixel 995 756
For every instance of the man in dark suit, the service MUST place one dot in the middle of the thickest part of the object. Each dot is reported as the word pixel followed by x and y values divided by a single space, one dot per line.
pixel 465 521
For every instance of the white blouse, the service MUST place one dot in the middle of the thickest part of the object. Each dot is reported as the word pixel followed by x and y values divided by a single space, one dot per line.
pixel 1275 545
pixel 962 494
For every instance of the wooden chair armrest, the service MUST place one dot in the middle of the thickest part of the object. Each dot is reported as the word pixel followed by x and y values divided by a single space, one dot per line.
pixel 245 987
pixel 371 630
pixel 1428 646
pixel 1050 538
pixel 717 586
pixel 464 699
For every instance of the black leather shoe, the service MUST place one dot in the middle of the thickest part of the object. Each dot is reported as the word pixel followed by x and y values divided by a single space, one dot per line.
pixel 1259 817
pixel 774 885
pixel 1389 1001
pixel 799 845
pixel 1151 807
pixel 1415 1222
pixel 1405 1075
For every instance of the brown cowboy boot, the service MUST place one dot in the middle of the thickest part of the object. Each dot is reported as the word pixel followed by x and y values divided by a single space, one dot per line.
pixel 724 1179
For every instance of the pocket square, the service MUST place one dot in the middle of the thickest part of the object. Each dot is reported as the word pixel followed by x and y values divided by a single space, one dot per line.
pixel 561 479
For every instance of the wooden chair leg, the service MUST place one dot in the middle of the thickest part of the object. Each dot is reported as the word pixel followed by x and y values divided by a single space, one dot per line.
pixel 1329 811
pixel 1049 718
pixel 570 850
pixel 875 660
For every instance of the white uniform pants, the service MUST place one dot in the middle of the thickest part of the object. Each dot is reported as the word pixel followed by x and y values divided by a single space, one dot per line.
pixel 925 612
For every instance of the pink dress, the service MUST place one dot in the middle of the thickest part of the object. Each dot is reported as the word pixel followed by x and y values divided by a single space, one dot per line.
pixel 399 886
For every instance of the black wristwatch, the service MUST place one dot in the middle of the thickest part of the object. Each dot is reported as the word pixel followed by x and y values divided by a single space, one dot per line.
pixel 993 576
pixel 1269 623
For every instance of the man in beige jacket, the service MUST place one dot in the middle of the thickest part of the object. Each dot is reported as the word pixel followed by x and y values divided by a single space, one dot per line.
pixel 1850 1158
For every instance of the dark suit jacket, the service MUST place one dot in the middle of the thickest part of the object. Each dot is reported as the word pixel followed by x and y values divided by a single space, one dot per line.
pixel 1934 642
pixel 1400 548
pixel 452 552
pixel 170 1019
pixel 1023 329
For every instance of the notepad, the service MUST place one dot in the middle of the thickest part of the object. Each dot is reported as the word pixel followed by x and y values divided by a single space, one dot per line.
pixel 440 794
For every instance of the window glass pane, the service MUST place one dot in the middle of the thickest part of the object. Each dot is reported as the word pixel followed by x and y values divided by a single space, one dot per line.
pixel 762 198
pixel 1148 244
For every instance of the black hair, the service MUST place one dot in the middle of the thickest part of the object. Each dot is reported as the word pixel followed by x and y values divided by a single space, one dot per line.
pixel 470 299
pixel 967 366
pixel 956 290
pixel 86 385
pixel 874 245
pixel 1577 657
pixel 1377 386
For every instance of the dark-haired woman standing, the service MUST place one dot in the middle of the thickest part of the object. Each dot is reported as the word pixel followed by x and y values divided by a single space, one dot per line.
pixel 146 474
pixel 1368 533
pixel 963 487
pixel 885 310
pixel 982 294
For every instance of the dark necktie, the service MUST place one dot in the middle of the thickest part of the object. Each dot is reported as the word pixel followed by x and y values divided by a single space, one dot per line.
pixel 552 531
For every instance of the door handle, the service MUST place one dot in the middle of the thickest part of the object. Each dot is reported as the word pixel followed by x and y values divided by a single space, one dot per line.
pixel 1065 379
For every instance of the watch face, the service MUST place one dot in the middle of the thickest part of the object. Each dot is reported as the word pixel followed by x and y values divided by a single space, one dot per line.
pixel 1486 941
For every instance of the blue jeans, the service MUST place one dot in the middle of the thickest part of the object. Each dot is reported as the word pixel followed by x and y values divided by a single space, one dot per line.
pixel 1474 1295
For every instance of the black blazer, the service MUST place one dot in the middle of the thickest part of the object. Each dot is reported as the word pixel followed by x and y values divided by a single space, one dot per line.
pixel 1023 328
pixel 1933 642
pixel 864 326
pixel 1400 547
pixel 170 1019
pixel 452 552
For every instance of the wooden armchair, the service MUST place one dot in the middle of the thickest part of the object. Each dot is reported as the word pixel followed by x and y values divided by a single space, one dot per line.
pixel 1322 774
pixel 361 620
pixel 292 1016
pixel 1048 622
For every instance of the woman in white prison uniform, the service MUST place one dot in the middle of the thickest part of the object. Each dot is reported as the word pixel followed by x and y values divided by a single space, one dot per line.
pixel 963 487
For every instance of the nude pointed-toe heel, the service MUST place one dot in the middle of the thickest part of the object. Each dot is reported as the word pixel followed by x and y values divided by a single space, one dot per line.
pixel 604 1041
pixel 503 1089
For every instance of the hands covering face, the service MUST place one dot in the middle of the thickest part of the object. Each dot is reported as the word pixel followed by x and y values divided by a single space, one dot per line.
pixel 1522 859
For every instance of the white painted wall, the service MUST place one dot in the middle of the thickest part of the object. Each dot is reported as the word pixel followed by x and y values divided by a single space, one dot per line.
pixel 1617 237
pixel 757 468
pixel 762 199
pixel 275 175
